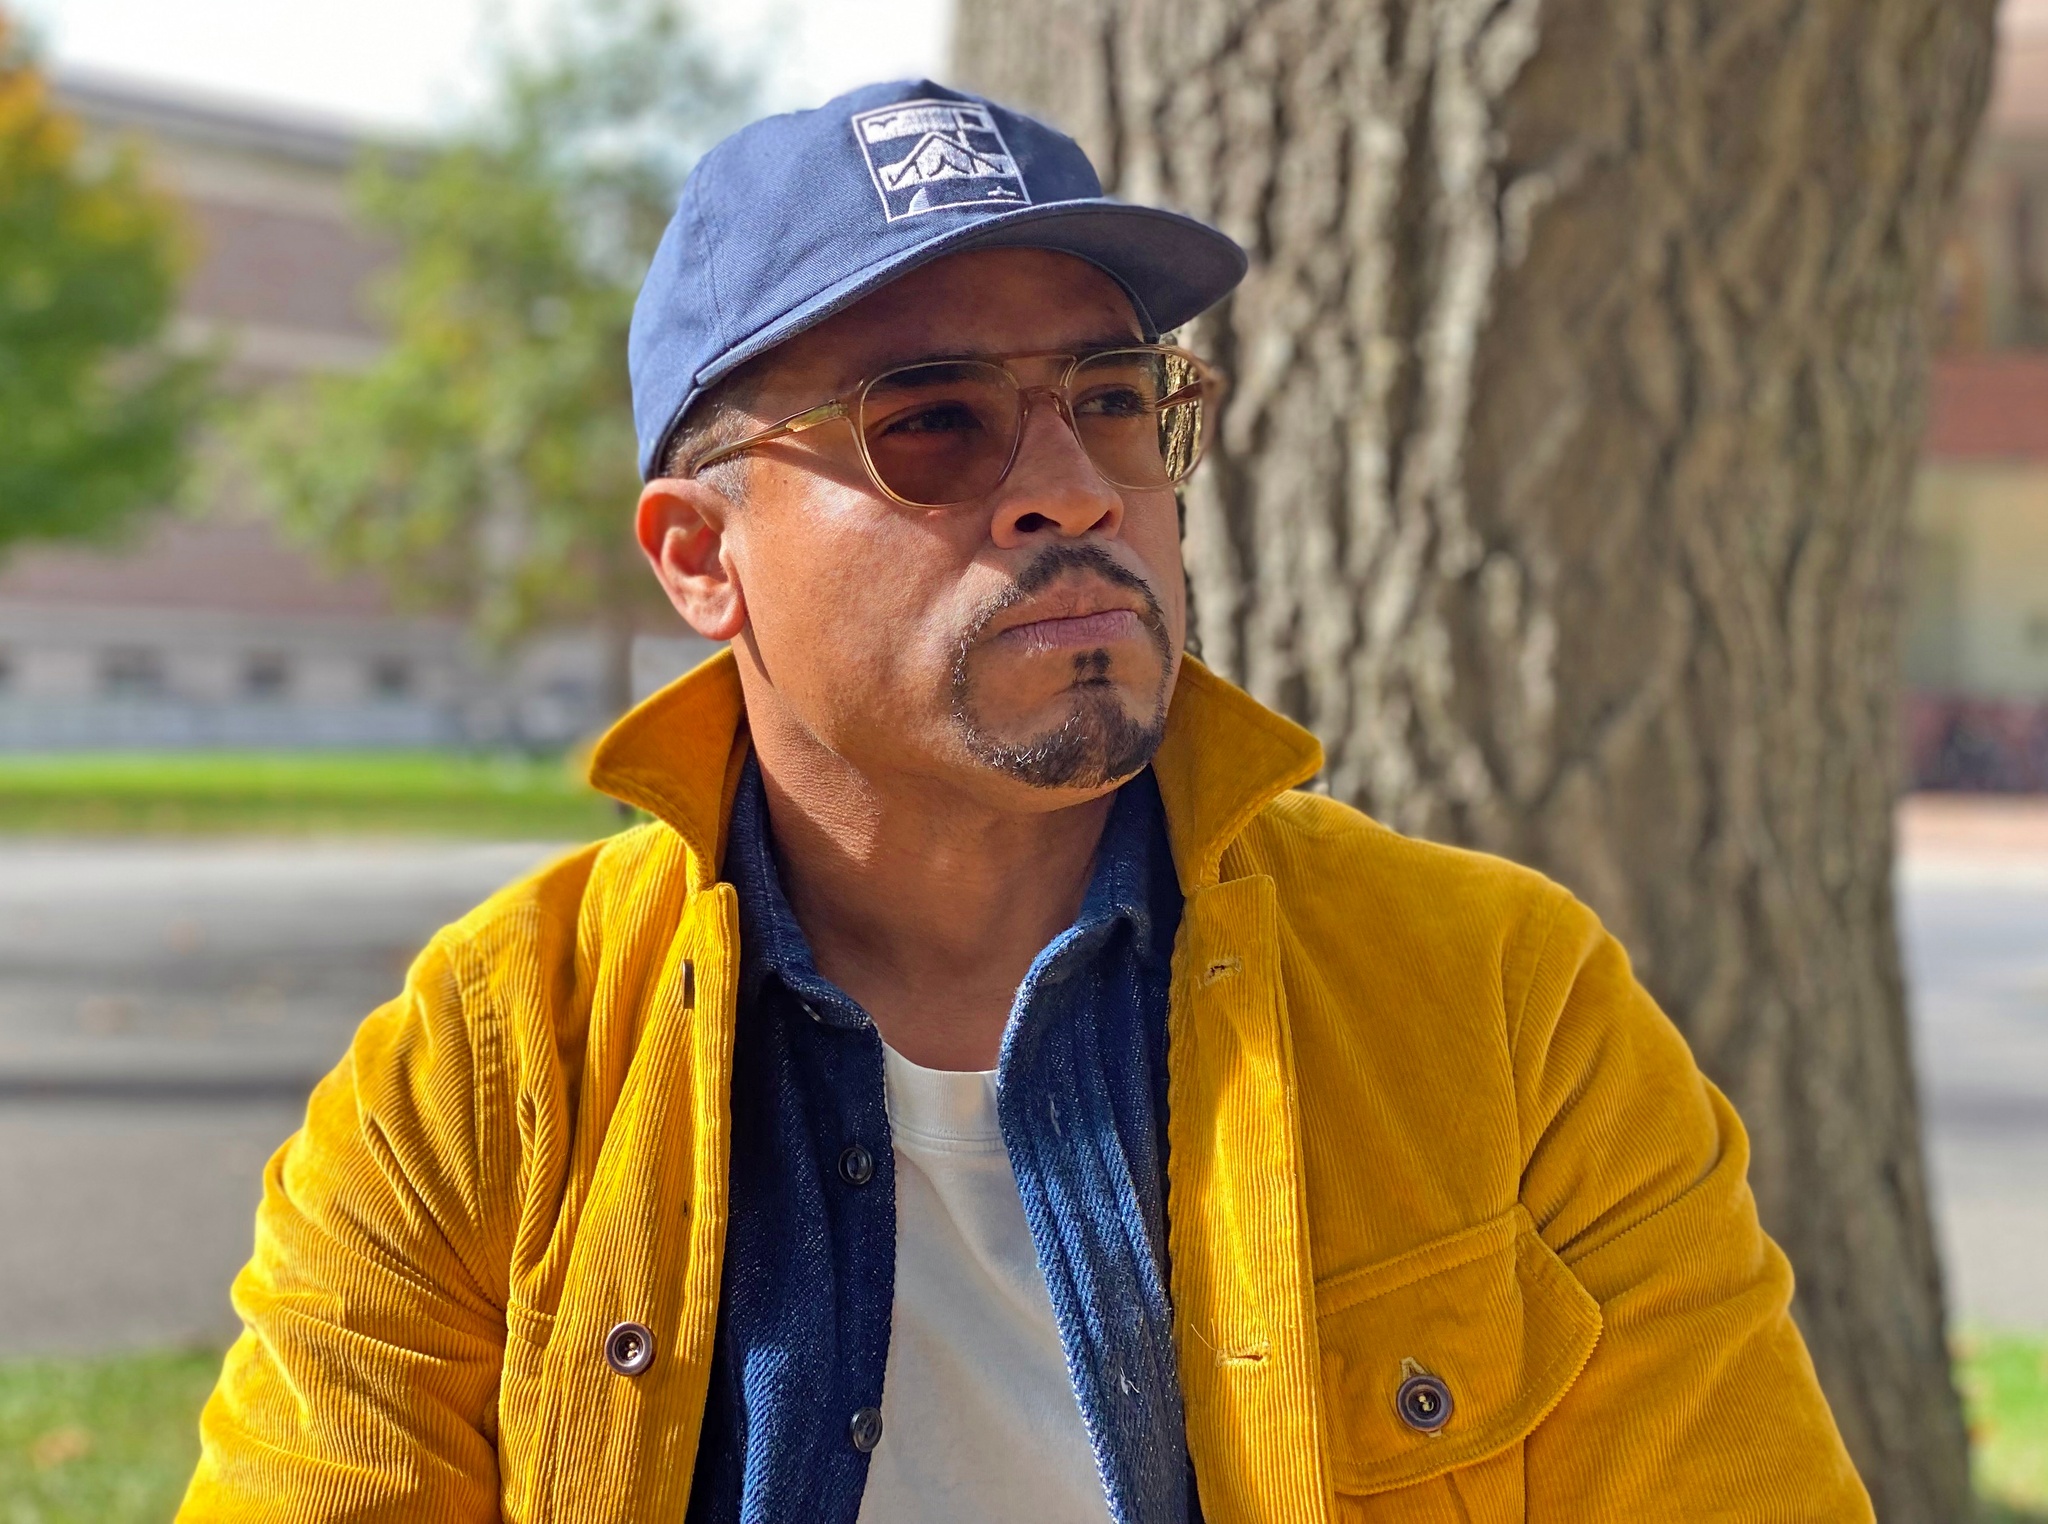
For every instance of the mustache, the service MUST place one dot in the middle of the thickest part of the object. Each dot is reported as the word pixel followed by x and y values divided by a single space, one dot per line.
pixel 1099 742
pixel 1055 562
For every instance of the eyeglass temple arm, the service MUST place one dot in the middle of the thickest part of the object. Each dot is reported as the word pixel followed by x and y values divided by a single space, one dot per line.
pixel 794 424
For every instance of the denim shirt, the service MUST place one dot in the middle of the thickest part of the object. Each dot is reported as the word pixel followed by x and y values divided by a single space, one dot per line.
pixel 810 1247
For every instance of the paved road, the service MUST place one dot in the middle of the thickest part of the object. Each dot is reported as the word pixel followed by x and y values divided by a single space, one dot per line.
pixel 163 1009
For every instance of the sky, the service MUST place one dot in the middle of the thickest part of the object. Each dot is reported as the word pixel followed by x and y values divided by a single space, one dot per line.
pixel 413 63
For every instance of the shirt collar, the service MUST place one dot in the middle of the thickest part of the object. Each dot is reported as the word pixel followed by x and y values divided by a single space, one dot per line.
pixel 1132 878
pixel 1133 866
pixel 771 941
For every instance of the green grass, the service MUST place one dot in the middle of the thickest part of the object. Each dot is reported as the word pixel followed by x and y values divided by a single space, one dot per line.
pixel 100 1441
pixel 113 1441
pixel 2005 1388
pixel 300 793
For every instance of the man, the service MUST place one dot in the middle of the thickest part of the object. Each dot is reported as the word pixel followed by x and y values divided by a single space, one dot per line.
pixel 989 1089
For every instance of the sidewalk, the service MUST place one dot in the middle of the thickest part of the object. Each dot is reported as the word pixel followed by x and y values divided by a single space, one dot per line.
pixel 2000 826
pixel 1973 916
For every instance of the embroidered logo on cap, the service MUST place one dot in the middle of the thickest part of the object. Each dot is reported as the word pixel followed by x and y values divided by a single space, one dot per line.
pixel 927 155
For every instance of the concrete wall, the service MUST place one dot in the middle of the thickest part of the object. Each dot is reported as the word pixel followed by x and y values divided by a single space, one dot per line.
pixel 85 678
pixel 281 270
pixel 1978 620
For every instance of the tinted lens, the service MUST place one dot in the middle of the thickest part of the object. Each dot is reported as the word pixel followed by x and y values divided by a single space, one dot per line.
pixel 1139 413
pixel 941 433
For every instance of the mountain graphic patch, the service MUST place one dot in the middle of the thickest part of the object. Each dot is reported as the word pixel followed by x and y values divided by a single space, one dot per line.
pixel 927 155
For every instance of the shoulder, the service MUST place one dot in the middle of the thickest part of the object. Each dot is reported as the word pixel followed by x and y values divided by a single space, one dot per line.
pixel 1385 933
pixel 496 1010
pixel 1452 996
pixel 1337 869
pixel 586 884
pixel 1406 955
pixel 512 968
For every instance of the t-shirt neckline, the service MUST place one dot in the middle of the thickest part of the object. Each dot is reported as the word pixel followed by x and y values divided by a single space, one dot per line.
pixel 941 1106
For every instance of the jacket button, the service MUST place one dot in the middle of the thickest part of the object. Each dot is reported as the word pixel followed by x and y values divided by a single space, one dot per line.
pixel 857 1167
pixel 1424 1404
pixel 629 1349
pixel 865 1429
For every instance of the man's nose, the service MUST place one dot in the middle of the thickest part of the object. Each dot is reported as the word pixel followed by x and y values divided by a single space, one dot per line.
pixel 1053 485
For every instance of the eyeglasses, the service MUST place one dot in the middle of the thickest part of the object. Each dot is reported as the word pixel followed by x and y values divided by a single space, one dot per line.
pixel 942 433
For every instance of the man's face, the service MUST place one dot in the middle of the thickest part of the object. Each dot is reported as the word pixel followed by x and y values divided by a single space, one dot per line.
pixel 1022 646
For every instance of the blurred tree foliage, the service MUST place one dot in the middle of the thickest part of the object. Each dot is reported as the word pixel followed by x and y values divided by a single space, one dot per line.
pixel 95 407
pixel 486 463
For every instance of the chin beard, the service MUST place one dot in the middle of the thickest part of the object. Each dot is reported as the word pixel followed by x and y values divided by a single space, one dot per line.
pixel 1098 744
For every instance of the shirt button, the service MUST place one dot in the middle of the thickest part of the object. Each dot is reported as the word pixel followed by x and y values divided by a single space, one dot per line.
pixel 865 1429
pixel 857 1167
pixel 629 1349
pixel 1424 1404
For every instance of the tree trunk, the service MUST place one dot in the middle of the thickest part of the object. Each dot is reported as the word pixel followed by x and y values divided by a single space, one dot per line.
pixel 1578 390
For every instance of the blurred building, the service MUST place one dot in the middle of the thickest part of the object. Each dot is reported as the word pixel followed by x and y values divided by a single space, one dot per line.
pixel 1995 269
pixel 212 629
pixel 1977 649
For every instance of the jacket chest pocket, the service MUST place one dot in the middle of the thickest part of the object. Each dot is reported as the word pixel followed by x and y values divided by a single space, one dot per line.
pixel 1437 1365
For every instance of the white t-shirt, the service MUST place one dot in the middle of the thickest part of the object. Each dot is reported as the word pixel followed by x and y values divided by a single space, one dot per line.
pixel 979 1419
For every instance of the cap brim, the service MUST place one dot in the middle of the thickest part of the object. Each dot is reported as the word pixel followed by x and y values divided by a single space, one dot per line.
pixel 1173 267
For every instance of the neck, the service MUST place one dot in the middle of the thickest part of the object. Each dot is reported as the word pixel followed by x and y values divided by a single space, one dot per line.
pixel 923 903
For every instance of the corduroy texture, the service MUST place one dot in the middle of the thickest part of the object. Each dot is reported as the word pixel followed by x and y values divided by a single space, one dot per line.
pixel 1422 1117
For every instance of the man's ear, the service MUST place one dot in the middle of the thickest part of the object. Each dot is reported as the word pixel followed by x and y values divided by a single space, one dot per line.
pixel 681 526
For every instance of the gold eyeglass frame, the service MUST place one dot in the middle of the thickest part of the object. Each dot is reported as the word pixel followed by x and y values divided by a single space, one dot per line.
pixel 1209 386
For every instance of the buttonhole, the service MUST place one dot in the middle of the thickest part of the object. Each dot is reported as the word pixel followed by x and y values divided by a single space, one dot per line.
pixel 1222 968
pixel 1244 1354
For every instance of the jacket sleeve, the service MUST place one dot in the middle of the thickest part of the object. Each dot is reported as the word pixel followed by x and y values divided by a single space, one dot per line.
pixel 365 1383
pixel 1699 1401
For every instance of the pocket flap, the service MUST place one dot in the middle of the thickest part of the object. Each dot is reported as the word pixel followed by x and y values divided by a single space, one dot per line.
pixel 1490 1312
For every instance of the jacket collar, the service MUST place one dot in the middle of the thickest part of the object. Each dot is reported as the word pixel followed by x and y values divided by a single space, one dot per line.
pixel 1226 757
pixel 678 755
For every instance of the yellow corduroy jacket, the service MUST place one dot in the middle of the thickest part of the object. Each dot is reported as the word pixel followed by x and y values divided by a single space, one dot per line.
pixel 1421 1118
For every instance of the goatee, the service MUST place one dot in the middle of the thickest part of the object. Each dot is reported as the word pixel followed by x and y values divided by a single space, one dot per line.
pixel 1099 742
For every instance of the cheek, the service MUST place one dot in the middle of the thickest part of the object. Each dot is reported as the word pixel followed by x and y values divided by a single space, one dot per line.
pixel 1152 529
pixel 848 611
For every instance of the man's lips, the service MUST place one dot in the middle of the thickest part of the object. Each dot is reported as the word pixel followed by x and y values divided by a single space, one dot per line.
pixel 1097 629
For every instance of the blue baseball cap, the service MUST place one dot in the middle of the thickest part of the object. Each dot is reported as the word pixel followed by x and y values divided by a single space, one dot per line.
pixel 795 217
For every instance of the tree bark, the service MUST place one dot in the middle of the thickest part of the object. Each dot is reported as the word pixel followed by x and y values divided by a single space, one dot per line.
pixel 1578 390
